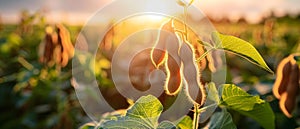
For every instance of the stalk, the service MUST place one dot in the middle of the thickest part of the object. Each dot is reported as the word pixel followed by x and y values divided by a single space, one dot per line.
pixel 196 116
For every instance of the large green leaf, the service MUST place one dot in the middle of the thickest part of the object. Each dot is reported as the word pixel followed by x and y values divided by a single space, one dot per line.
pixel 147 108
pixel 241 48
pixel 184 123
pixel 221 120
pixel 143 114
pixel 166 125
pixel 237 99
pixel 212 93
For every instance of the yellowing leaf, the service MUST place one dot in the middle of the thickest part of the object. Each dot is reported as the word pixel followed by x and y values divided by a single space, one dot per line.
pixel 185 123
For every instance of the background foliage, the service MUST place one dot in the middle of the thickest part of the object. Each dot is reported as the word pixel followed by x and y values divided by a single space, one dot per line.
pixel 33 95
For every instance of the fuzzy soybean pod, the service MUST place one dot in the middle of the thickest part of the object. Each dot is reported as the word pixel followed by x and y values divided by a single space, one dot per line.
pixel 158 53
pixel 173 65
pixel 191 73
pixel 165 51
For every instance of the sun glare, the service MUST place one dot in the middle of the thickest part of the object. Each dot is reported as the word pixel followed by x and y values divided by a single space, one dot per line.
pixel 150 18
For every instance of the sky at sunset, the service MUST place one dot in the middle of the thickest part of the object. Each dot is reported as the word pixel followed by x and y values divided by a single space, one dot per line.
pixel 78 11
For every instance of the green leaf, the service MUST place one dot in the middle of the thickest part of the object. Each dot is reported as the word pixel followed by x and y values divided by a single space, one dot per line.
pixel 14 39
pixel 88 126
pixel 113 115
pixel 143 114
pixel 166 125
pixel 241 48
pixel 125 123
pixel 185 123
pixel 212 92
pixel 147 108
pixel 237 99
pixel 221 120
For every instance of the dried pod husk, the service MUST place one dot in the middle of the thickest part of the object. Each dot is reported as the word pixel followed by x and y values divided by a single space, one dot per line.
pixel 286 104
pixel 174 79
pixel 173 26
pixel 296 58
pixel 193 39
pixel 57 54
pixel 282 78
pixel 169 51
pixel 65 42
pixel 57 47
pixel 288 100
pixel 166 43
pixel 191 73
pixel 293 85
pixel 158 52
pixel 173 64
pixel 47 47
pixel 64 59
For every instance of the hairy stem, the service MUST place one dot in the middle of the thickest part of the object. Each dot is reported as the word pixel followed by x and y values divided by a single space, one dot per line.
pixel 196 116
pixel 204 55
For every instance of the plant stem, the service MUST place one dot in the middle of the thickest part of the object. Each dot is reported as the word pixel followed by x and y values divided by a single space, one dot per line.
pixel 206 44
pixel 203 55
pixel 196 116
pixel 185 22
pixel 191 2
